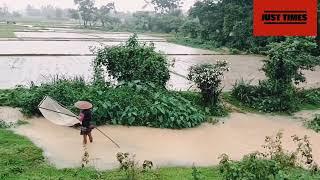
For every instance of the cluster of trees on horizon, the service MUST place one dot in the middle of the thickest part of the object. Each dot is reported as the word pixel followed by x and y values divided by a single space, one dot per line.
pixel 220 23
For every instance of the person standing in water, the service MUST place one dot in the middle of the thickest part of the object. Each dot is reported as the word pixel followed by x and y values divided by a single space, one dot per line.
pixel 85 119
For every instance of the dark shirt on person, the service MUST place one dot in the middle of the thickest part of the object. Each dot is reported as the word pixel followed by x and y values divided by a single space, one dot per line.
pixel 85 118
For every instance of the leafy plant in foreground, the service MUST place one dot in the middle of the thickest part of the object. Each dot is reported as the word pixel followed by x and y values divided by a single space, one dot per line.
pixel 274 163
pixel 130 165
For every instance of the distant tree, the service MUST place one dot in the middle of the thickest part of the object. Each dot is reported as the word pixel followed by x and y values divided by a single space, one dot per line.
pixel 87 10
pixel 31 11
pixel 191 28
pixel 48 11
pixel 58 13
pixel 16 14
pixel 4 11
pixel 104 13
pixel 73 14
pixel 142 20
pixel 164 6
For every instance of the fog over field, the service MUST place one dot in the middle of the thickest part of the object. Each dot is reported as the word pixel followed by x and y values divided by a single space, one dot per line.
pixel 121 5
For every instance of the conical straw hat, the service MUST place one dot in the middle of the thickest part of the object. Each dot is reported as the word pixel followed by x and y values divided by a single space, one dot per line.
pixel 83 105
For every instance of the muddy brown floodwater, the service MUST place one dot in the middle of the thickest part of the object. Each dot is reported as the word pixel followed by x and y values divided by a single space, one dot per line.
pixel 239 135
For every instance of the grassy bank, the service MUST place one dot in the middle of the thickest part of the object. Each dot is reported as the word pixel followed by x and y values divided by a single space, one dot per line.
pixel 7 31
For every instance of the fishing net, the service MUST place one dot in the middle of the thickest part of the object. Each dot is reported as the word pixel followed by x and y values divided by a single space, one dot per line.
pixel 56 113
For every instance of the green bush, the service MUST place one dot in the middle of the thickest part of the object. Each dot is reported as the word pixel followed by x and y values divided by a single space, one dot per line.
pixel 208 78
pixel 4 125
pixel 310 96
pixel 274 163
pixel 133 61
pixel 284 69
pixel 133 104
pixel 266 97
pixel 250 167
pixel 314 123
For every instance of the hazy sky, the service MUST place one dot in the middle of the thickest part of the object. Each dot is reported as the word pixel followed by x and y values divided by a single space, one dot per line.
pixel 121 5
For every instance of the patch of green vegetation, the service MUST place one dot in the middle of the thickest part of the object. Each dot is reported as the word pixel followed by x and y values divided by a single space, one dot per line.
pixel 283 70
pixel 227 97
pixel 7 31
pixel 133 104
pixel 196 100
pixel 21 122
pixel 274 162
pixel 310 99
pixel 132 61
pixel 314 123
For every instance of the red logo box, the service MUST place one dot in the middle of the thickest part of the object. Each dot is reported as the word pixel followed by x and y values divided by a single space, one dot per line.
pixel 285 18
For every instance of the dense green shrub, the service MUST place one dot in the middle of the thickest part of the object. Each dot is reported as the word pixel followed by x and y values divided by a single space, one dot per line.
pixel 266 97
pixel 191 28
pixel 208 78
pixel 283 68
pixel 310 96
pixel 250 167
pixel 133 61
pixel 314 123
pixel 133 104
pixel 287 60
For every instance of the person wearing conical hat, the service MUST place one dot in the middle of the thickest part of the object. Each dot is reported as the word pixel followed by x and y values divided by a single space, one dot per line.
pixel 85 119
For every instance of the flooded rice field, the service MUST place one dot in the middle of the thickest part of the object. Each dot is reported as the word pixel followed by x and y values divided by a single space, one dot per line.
pixel 239 135
pixel 30 59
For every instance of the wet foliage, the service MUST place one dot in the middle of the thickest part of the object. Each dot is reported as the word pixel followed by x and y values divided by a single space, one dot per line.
pixel 132 104
pixel 274 163
pixel 284 69
pixel 208 78
pixel 133 61
pixel 314 123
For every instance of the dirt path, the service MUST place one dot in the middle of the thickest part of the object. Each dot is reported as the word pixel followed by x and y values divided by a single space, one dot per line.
pixel 239 135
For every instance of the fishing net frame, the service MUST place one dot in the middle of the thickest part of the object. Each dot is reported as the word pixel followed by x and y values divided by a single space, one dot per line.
pixel 57 113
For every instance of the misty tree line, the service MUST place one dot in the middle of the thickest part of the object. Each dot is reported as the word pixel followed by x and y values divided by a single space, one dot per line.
pixel 214 23
pixel 220 23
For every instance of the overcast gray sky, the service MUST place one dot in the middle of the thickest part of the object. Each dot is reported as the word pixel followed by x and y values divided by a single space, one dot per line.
pixel 121 5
